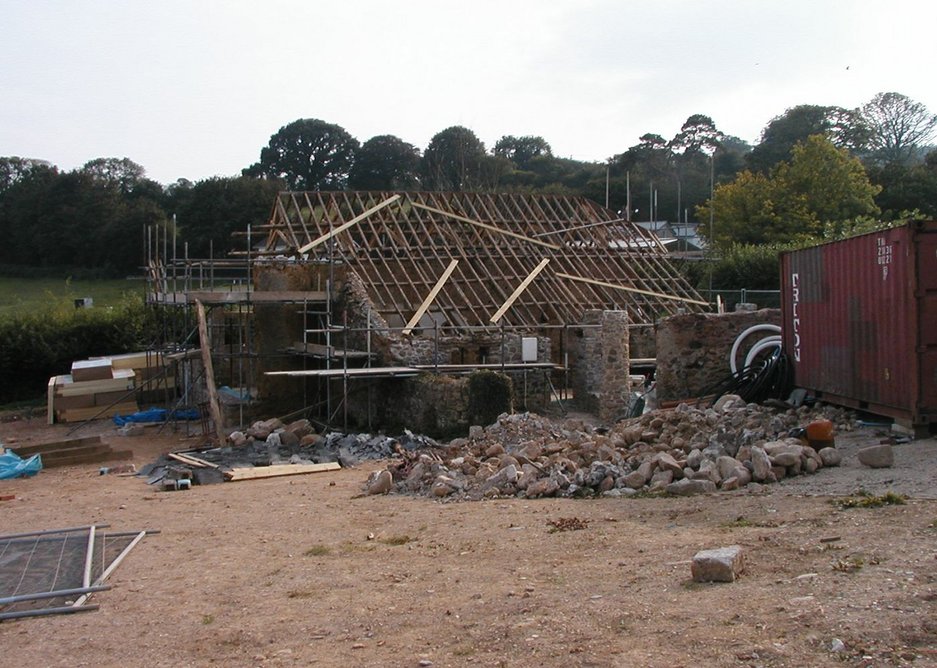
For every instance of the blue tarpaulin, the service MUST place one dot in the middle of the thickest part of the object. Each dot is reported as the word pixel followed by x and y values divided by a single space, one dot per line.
pixel 156 415
pixel 14 466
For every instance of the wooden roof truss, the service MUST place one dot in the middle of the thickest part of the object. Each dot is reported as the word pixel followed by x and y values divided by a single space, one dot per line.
pixel 402 243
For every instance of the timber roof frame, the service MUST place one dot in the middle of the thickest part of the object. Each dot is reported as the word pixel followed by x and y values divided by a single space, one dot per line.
pixel 532 260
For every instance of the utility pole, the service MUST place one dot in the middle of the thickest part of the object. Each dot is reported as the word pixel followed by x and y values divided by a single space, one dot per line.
pixel 628 196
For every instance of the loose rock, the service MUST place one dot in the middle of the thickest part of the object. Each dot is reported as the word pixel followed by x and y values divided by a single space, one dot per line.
pixel 877 456
pixel 722 564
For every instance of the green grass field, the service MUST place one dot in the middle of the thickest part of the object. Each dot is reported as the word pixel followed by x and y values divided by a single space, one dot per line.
pixel 23 295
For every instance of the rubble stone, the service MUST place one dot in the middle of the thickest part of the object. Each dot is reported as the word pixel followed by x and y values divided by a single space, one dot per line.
pixel 531 456
pixel 761 463
pixel 722 564
pixel 687 487
pixel 877 456
pixel 831 456
pixel 380 482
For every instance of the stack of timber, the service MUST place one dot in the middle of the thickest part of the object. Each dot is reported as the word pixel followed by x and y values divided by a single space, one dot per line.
pixel 93 390
pixel 152 373
pixel 88 450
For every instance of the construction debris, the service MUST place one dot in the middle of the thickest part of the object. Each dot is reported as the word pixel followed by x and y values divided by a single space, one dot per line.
pixel 681 451
pixel 270 448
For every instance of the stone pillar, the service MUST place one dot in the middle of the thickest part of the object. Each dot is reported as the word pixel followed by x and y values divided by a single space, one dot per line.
pixel 616 391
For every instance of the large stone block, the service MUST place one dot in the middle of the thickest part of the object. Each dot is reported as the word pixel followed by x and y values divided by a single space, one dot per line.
pixel 723 564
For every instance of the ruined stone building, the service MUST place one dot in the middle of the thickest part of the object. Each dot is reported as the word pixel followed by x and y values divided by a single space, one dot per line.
pixel 372 307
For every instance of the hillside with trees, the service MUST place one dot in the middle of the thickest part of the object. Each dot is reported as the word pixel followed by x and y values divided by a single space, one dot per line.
pixel 816 172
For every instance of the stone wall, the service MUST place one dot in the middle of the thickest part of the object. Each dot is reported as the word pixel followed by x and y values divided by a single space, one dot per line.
pixel 693 349
pixel 599 359
pixel 616 362
pixel 585 369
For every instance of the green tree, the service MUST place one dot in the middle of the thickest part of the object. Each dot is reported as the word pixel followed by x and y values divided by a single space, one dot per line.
pixel 308 154
pixel 120 173
pixel 386 162
pixel 14 169
pixel 844 128
pixel 453 160
pixel 819 190
pixel 907 188
pixel 898 127
pixel 833 185
pixel 521 150
pixel 209 211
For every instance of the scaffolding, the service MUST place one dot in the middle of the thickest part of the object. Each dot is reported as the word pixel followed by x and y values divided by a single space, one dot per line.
pixel 440 265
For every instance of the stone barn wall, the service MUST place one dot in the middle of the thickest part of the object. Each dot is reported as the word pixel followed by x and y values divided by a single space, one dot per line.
pixel 693 349
pixel 600 363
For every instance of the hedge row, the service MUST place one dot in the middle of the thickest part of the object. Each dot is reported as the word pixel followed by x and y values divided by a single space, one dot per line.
pixel 44 343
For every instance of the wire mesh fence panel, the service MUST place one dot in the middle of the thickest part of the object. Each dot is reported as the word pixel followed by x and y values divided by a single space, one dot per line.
pixel 32 567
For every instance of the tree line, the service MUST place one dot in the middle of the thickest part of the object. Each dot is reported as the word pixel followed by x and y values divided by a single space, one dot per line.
pixel 815 170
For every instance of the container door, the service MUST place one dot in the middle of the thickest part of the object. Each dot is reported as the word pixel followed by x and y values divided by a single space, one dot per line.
pixel 926 292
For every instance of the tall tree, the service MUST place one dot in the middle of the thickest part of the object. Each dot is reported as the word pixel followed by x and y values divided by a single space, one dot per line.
pixel 453 160
pixel 898 126
pixel 906 189
pixel 308 154
pixel 691 151
pixel 14 169
pixel 820 190
pixel 211 210
pixel 120 173
pixel 844 128
pixel 521 150
pixel 385 162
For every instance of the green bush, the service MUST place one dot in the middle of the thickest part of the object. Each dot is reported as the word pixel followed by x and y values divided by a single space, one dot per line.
pixel 489 394
pixel 44 343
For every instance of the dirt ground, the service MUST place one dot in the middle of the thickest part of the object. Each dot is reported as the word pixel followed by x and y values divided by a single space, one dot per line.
pixel 305 571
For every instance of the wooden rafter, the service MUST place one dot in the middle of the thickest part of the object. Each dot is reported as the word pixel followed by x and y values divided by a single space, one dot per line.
pixel 431 296
pixel 398 251
pixel 520 288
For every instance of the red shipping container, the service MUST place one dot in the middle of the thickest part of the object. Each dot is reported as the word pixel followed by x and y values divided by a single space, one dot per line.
pixel 860 321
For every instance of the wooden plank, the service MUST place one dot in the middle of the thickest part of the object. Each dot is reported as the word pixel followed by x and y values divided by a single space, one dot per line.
pixel 277 470
pixel 99 369
pixel 375 372
pixel 96 412
pixel 89 458
pixel 520 289
pixel 214 404
pixel 185 460
pixel 510 366
pixel 199 460
pixel 237 297
pixel 341 228
pixel 430 297
pixel 140 360
pixel 66 386
pixel 258 297
pixel 320 350
pixel 41 448
pixel 659 295
pixel 486 226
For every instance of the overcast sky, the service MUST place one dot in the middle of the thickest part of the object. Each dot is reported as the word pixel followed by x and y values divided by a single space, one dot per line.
pixel 194 89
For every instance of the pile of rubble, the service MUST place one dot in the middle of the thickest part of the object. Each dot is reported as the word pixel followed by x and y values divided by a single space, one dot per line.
pixel 681 451
pixel 271 442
